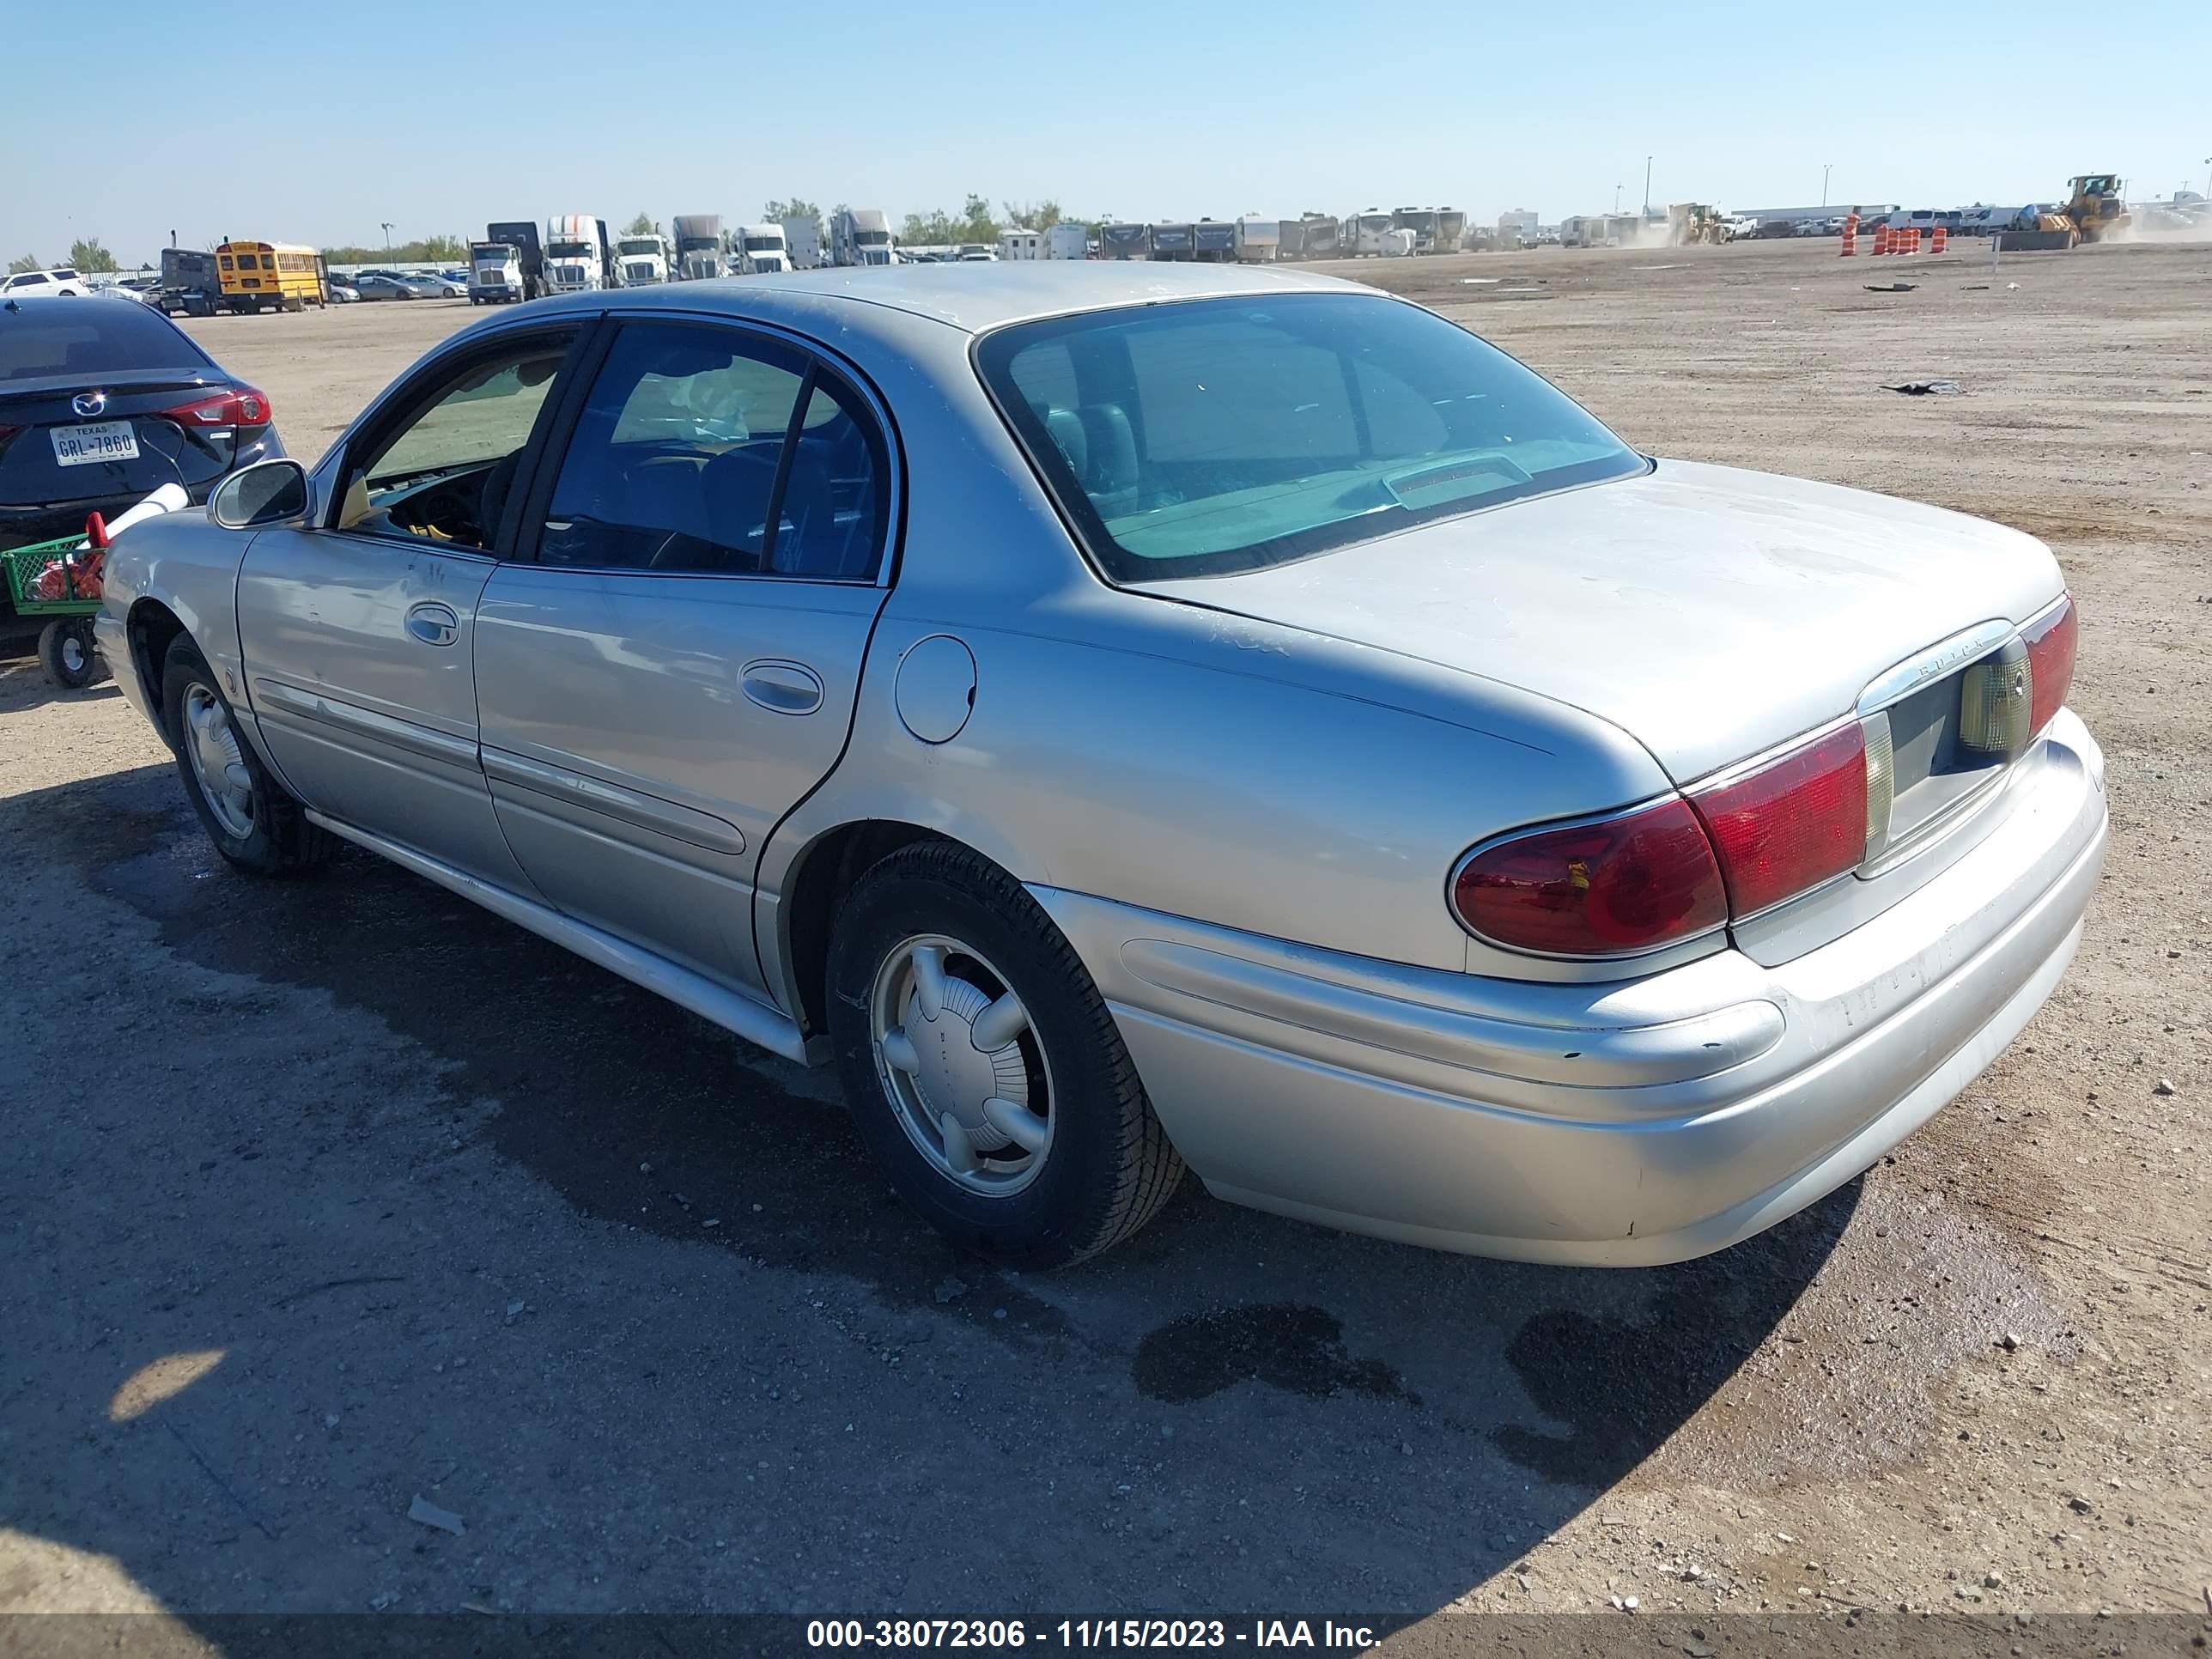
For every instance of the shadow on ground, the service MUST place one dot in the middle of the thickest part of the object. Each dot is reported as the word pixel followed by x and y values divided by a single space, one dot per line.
pixel 749 1355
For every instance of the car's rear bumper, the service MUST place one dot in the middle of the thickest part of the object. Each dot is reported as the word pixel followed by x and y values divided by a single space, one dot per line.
pixel 1621 1124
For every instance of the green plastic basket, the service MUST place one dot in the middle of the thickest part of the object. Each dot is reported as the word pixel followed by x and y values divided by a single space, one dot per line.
pixel 24 565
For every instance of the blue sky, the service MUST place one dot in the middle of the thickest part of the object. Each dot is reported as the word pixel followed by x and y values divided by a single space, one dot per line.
pixel 315 124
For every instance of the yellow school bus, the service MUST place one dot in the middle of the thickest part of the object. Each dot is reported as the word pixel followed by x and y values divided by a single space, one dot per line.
pixel 255 275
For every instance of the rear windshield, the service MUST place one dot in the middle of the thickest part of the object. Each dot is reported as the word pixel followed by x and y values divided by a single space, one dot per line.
pixel 1200 439
pixel 42 339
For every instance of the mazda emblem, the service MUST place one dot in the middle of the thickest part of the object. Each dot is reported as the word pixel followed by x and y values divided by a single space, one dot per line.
pixel 88 404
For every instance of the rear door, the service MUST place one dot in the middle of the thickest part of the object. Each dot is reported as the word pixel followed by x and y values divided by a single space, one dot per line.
pixel 359 635
pixel 677 664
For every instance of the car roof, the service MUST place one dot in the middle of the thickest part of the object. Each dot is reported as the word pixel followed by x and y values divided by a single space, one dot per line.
pixel 973 297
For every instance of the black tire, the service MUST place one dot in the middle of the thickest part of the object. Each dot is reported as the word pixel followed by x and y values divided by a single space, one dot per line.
pixel 281 841
pixel 66 654
pixel 1110 1167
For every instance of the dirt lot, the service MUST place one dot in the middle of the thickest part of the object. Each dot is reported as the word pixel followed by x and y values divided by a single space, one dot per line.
pixel 406 1203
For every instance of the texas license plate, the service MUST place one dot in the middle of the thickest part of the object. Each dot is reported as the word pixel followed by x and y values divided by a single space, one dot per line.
pixel 96 441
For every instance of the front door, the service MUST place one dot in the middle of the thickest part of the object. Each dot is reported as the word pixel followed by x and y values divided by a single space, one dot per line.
pixel 359 633
pixel 677 665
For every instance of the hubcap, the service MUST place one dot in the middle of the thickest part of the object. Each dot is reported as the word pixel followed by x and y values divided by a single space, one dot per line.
pixel 961 1064
pixel 218 764
pixel 73 658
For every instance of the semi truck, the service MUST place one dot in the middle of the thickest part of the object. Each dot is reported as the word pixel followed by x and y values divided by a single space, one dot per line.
pixel 761 249
pixel 190 282
pixel 643 259
pixel 699 247
pixel 495 273
pixel 860 236
pixel 803 238
pixel 579 255
pixel 521 235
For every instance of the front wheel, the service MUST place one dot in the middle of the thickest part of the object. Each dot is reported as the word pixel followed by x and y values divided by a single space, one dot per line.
pixel 254 821
pixel 983 1067
pixel 65 653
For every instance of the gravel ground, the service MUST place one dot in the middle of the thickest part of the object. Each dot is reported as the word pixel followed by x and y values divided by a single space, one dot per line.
pixel 326 1196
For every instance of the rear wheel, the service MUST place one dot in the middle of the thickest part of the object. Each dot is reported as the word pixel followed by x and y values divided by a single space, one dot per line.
pixel 983 1069
pixel 254 821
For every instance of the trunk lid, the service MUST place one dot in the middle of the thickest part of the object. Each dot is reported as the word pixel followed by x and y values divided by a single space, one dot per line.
pixel 32 473
pixel 1711 613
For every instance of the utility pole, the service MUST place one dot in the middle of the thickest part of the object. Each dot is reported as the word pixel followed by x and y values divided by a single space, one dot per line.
pixel 1827 167
pixel 387 223
pixel 1647 187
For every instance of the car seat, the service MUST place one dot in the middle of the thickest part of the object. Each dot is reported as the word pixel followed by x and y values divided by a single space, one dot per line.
pixel 1101 450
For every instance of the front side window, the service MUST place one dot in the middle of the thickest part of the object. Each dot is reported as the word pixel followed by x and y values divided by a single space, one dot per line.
pixel 443 472
pixel 1222 435
pixel 704 450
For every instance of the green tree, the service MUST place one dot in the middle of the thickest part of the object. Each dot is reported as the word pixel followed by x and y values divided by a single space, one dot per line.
pixel 86 254
pixel 644 225
pixel 797 208
pixel 1027 216
pixel 441 249
pixel 28 262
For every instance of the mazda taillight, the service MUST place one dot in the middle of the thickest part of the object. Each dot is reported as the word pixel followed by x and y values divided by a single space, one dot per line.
pixel 2049 641
pixel 1617 886
pixel 242 406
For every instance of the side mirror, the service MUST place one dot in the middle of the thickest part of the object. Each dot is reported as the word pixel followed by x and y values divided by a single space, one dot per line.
pixel 267 493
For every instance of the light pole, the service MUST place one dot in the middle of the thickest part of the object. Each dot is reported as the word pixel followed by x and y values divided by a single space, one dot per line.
pixel 1616 200
pixel 1647 187
pixel 1827 167
pixel 387 223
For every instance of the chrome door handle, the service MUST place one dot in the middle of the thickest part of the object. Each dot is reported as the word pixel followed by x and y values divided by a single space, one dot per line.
pixel 782 688
pixel 433 623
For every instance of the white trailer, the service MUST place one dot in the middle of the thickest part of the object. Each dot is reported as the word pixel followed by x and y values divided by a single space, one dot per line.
pixel 1067 242
pixel 803 237
pixel 1257 239
pixel 1021 244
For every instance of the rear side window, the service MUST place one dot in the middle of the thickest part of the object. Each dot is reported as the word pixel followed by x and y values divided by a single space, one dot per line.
pixel 1220 435
pixel 704 450
pixel 46 338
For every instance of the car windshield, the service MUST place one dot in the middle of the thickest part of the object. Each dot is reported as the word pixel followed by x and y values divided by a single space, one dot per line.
pixel 1221 436
pixel 44 339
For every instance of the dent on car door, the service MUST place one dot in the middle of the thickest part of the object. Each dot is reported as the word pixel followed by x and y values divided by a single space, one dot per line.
pixel 678 665
pixel 358 633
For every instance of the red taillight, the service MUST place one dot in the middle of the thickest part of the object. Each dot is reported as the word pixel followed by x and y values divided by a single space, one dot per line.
pixel 242 407
pixel 2049 641
pixel 1792 824
pixel 1623 885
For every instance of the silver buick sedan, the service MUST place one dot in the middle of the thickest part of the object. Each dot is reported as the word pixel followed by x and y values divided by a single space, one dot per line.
pixel 1131 717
